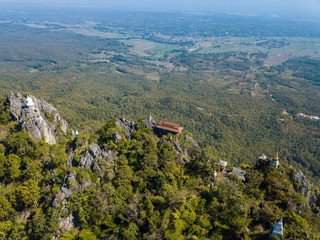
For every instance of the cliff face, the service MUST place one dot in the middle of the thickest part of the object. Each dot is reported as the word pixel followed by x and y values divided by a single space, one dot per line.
pixel 37 117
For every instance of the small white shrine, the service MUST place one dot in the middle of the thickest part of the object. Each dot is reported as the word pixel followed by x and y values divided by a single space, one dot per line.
pixel 29 102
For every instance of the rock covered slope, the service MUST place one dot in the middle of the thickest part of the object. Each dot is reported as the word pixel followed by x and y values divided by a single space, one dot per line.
pixel 126 182
pixel 36 116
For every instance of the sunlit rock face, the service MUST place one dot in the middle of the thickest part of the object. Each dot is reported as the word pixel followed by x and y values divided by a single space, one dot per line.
pixel 36 116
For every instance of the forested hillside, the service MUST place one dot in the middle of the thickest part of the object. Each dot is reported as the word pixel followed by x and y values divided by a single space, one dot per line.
pixel 237 83
pixel 242 85
pixel 126 182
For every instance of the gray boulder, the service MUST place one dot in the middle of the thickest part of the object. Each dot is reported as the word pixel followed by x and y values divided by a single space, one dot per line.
pixel 69 161
pixel 102 154
pixel 116 137
pixel 85 185
pixel 70 180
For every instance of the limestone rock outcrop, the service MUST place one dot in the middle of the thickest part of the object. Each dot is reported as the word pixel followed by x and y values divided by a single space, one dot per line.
pixel 36 116
pixel 188 138
pixel 307 189
pixel 148 123
pixel 116 137
pixel 127 126
pixel 67 223
pixel 91 157
pixel 177 146
pixel 60 197
pixel 298 177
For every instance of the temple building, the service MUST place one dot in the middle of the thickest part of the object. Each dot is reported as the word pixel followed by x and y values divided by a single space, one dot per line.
pixel 277 229
pixel 275 161
pixel 215 174
pixel 169 127
pixel 239 172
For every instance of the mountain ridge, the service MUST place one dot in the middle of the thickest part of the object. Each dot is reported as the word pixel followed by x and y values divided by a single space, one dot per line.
pixel 126 182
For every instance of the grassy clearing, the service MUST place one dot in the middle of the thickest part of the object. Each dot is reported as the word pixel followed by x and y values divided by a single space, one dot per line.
pixel 147 48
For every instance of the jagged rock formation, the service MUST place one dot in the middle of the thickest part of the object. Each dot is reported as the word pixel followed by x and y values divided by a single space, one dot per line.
pixel 61 198
pixel 67 223
pixel 62 194
pixel 182 151
pixel 177 146
pixel 91 157
pixel 188 138
pixel 148 123
pixel 298 177
pixel 306 188
pixel 116 137
pixel 36 116
pixel 127 126
pixel 69 186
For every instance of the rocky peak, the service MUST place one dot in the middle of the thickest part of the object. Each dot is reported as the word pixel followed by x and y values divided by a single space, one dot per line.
pixel 148 123
pixel 36 116
pixel 91 157
pixel 127 126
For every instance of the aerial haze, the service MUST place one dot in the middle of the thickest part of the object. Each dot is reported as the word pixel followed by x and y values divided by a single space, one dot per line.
pixel 277 8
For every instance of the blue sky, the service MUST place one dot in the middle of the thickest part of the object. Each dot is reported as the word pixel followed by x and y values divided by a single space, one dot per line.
pixel 293 8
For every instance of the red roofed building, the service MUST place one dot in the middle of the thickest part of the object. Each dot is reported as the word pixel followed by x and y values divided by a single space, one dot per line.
pixel 169 127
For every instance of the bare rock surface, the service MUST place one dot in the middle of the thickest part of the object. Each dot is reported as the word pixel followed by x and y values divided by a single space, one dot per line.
pixel 177 146
pixel 91 157
pixel 127 126
pixel 67 223
pixel 60 196
pixel 193 142
pixel 86 160
pixel 148 123
pixel 116 137
pixel 36 116
pixel 307 189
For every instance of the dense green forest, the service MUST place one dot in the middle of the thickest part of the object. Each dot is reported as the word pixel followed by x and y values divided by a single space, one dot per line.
pixel 237 86
pixel 228 100
pixel 148 187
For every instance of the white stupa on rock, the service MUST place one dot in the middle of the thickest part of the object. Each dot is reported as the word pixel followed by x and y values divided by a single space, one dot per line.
pixel 29 102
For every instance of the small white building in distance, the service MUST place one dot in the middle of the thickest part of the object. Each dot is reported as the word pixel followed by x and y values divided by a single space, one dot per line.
pixel 29 102
pixel 263 157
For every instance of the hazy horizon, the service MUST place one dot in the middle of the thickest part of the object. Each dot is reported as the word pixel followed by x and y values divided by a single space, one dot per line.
pixel 282 8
